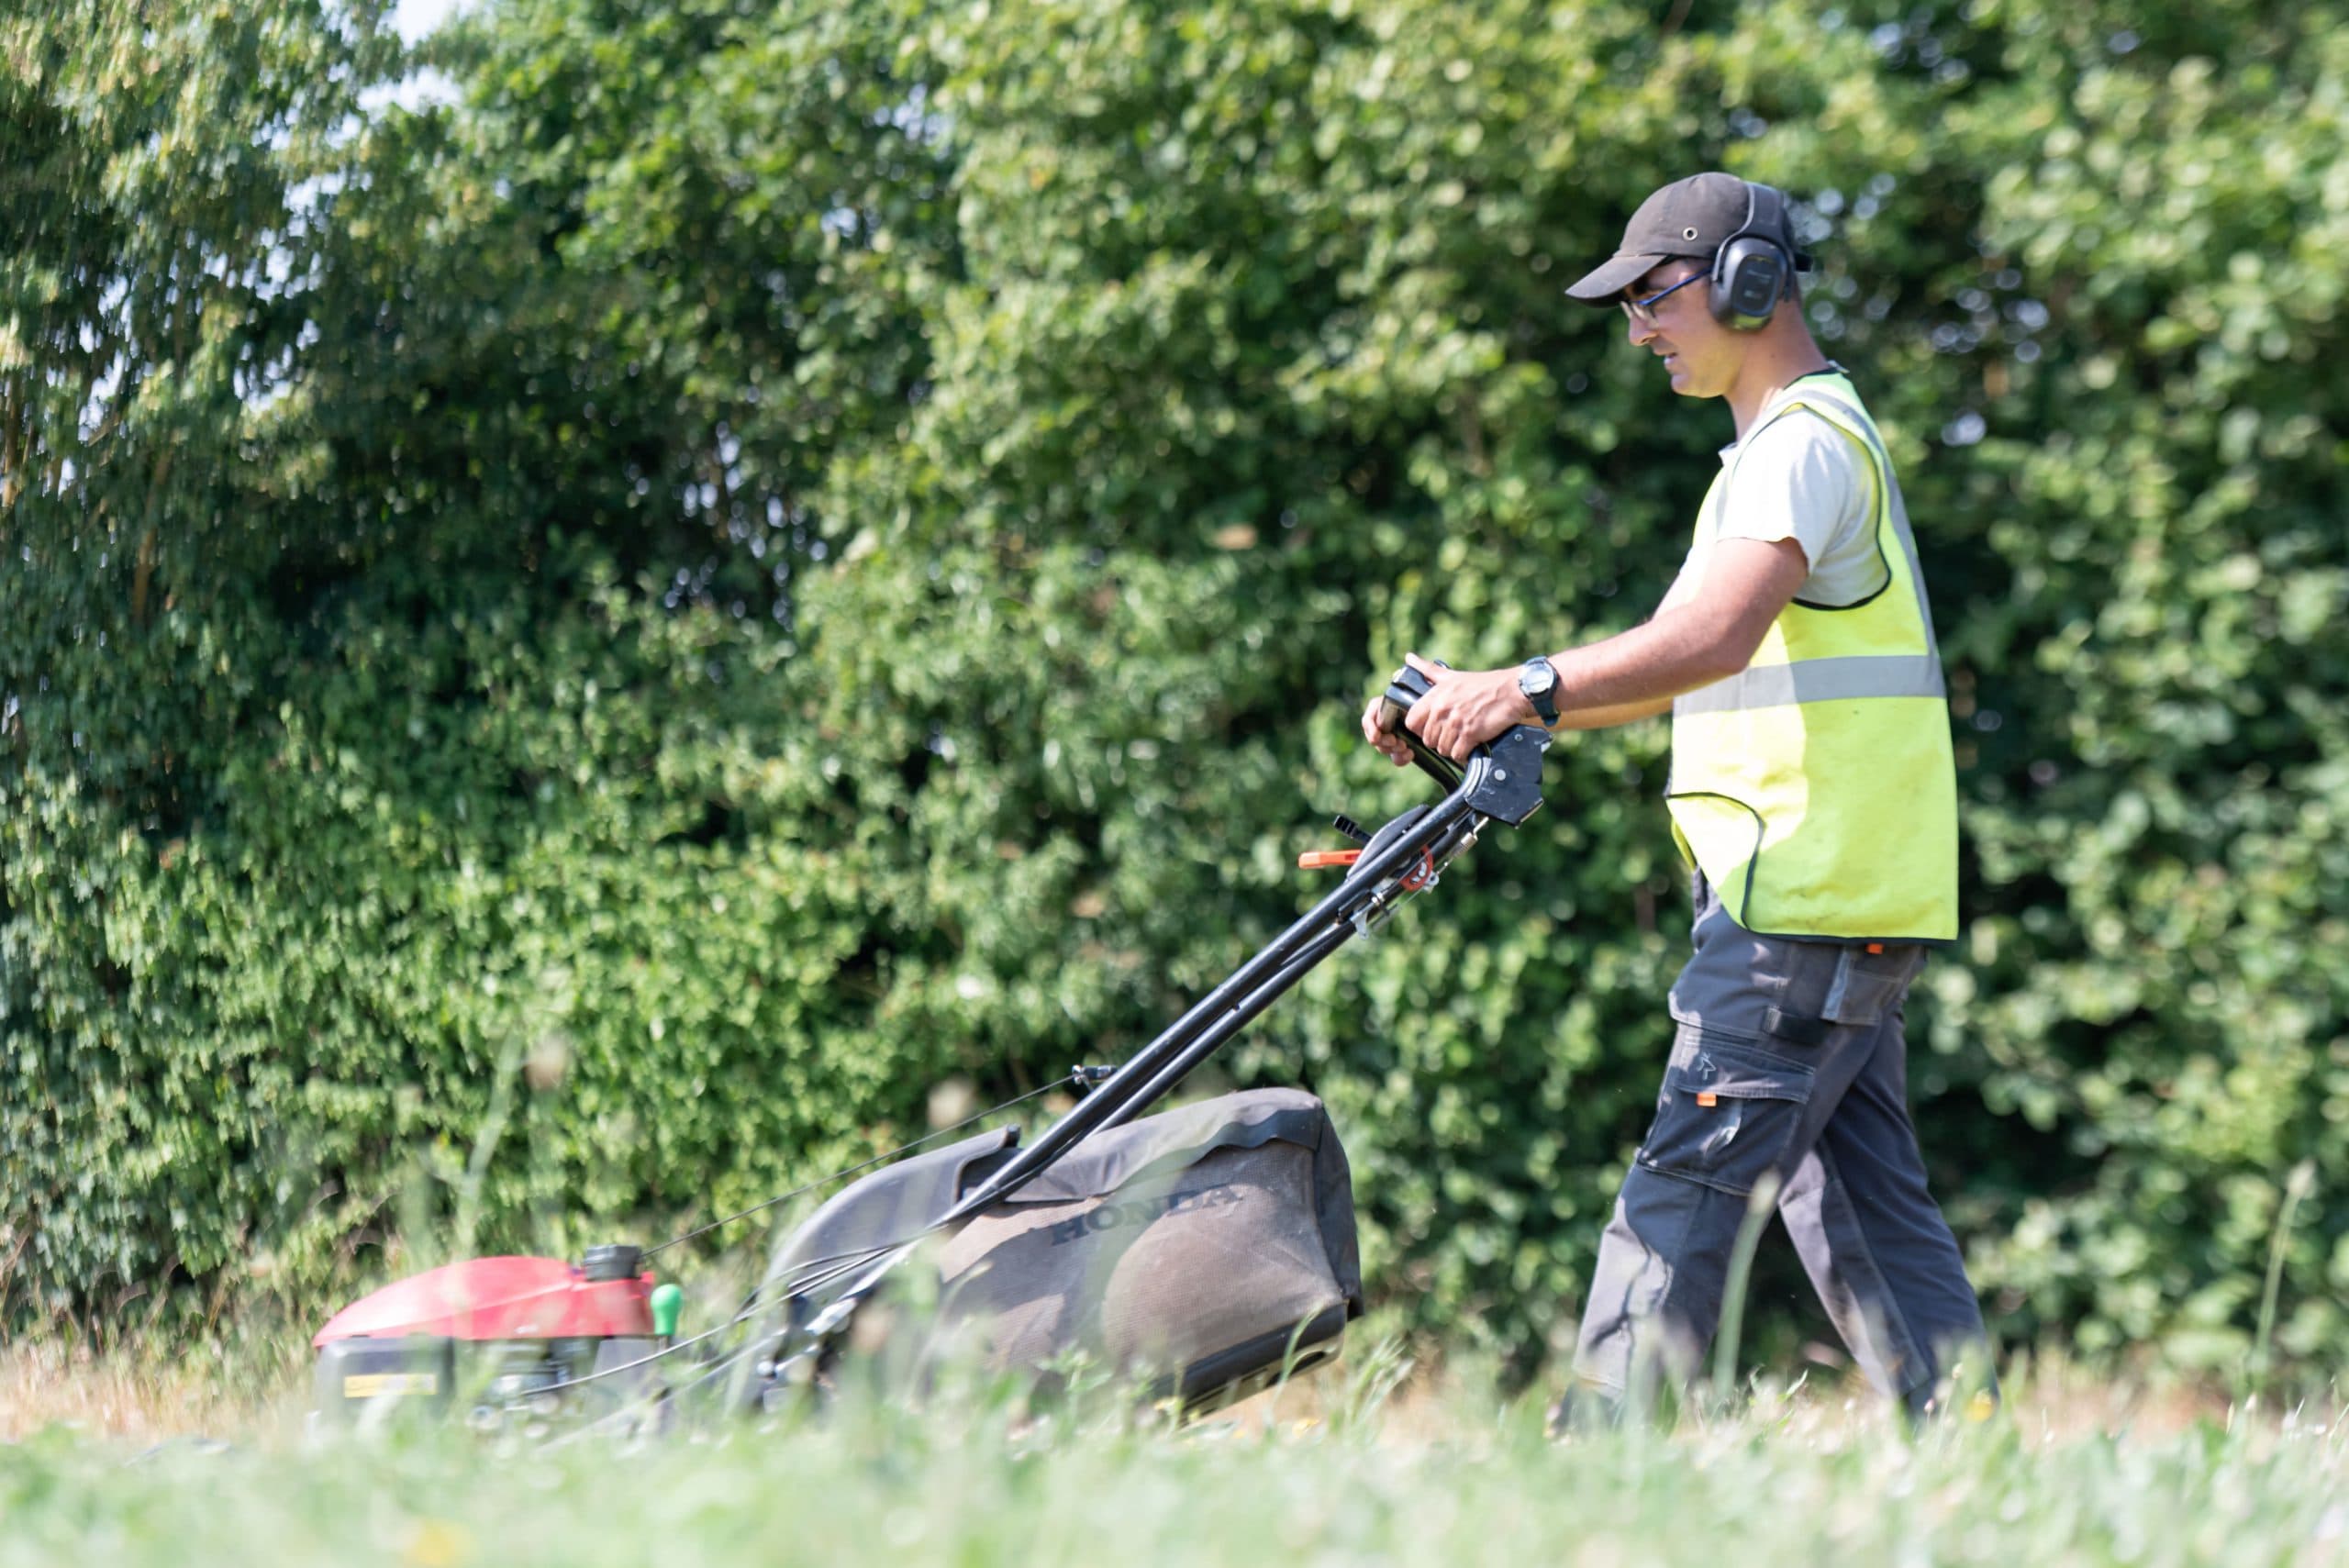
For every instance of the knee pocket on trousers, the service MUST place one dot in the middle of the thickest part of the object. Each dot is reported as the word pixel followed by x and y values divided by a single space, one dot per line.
pixel 1728 1111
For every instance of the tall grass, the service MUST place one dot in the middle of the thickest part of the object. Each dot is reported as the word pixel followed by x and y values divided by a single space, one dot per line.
pixel 1354 1467
pixel 2297 1186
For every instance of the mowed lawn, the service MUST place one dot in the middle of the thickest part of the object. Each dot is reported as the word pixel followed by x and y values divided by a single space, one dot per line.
pixel 1325 1476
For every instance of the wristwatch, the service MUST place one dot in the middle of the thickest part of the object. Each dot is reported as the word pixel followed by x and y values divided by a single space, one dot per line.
pixel 1539 682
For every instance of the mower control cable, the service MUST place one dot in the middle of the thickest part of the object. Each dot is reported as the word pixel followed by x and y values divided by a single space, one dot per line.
pixel 812 1275
pixel 1077 1078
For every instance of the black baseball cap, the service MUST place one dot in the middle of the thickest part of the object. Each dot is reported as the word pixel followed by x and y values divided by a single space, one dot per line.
pixel 1690 219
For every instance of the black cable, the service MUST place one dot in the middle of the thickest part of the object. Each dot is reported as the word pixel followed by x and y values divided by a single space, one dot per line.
pixel 842 1263
pixel 876 1159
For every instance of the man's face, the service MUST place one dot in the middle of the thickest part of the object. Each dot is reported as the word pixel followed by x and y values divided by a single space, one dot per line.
pixel 1699 354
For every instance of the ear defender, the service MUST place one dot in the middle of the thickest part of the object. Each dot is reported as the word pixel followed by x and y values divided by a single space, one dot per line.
pixel 1754 269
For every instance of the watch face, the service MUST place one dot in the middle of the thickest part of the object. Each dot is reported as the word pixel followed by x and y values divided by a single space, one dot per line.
pixel 1539 681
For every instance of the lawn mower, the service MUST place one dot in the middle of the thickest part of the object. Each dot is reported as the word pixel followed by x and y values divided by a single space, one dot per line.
pixel 1202 1251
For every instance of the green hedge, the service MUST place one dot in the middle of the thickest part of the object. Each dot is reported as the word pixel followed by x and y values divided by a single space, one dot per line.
pixel 770 558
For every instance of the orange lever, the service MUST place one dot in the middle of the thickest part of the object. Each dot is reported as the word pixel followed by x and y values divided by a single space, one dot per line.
pixel 1321 860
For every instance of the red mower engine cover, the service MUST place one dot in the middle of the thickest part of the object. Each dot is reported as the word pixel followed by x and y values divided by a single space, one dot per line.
pixel 539 1322
pixel 501 1298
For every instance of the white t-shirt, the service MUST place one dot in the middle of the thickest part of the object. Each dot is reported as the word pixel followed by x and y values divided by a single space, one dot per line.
pixel 1799 477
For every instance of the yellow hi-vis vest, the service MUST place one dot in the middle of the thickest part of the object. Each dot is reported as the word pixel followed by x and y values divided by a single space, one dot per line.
pixel 1815 788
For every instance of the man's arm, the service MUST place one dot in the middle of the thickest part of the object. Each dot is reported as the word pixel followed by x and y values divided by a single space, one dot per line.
pixel 1709 635
pixel 1706 634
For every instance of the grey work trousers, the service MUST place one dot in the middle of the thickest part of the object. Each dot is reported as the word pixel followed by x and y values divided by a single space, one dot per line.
pixel 1789 1059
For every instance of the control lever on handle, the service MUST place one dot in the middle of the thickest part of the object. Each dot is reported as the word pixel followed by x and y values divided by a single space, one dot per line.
pixel 1403 688
pixel 1407 686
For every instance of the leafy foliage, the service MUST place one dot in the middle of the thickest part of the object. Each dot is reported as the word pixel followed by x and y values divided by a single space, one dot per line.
pixel 617 632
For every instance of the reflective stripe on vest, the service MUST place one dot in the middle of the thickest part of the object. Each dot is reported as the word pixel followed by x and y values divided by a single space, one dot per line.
pixel 1819 680
pixel 1815 787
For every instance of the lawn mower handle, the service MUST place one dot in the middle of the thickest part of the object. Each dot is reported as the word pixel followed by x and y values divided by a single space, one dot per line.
pixel 1502 782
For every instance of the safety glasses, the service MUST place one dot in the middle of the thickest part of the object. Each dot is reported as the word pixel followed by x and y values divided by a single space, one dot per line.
pixel 1644 309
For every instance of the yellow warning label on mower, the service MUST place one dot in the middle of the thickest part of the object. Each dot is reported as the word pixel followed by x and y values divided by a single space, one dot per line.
pixel 390 1385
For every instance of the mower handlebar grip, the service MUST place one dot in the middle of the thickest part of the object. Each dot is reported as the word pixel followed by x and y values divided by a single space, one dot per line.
pixel 1407 687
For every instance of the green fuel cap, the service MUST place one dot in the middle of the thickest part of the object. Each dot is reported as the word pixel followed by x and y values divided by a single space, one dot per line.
pixel 668 1304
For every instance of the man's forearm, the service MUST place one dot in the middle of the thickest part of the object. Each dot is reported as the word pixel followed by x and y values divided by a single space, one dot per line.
pixel 1636 673
pixel 1705 631
pixel 1574 717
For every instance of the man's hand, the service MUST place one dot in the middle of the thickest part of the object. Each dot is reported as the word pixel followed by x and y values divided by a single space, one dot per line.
pixel 1464 710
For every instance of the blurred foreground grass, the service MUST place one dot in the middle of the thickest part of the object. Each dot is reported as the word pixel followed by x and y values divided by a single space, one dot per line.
pixel 1329 1473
